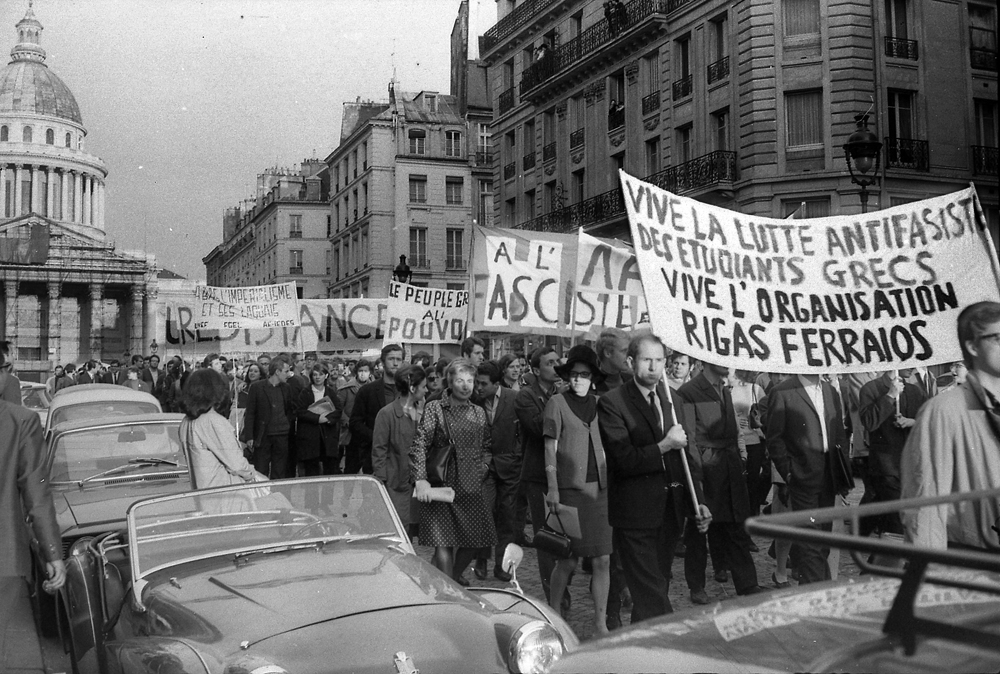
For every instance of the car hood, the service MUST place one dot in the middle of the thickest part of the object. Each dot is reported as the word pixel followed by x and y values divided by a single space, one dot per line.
pixel 226 603
pixel 788 630
pixel 96 507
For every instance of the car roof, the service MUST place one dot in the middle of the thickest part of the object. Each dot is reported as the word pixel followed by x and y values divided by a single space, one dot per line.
pixel 110 422
pixel 31 384
pixel 83 392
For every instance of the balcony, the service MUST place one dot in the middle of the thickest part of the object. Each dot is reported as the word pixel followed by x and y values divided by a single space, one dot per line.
pixel 718 70
pixel 651 103
pixel 507 26
pixel 295 234
pixel 906 153
pixel 616 118
pixel 295 271
pixel 549 152
pixel 419 262
pixel 577 138
pixel 483 157
pixel 899 48
pixel 983 59
pixel 454 264
pixel 984 160
pixel 709 170
pixel 509 171
pixel 506 100
pixel 528 161
pixel 639 19
pixel 681 88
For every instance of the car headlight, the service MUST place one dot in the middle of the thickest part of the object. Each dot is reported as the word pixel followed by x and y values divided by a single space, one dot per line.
pixel 534 648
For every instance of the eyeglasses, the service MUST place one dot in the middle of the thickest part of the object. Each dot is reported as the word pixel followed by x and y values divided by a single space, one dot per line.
pixel 581 375
pixel 992 337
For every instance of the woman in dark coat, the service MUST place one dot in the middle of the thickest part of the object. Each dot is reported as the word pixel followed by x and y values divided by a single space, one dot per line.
pixel 316 434
pixel 456 530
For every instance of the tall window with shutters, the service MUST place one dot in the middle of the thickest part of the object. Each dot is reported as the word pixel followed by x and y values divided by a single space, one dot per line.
pixel 803 119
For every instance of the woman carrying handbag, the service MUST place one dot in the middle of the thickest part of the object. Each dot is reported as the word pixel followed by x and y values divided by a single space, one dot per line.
pixel 457 529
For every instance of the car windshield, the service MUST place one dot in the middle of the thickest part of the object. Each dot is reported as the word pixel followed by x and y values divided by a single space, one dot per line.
pixel 78 455
pixel 245 520
pixel 35 398
pixel 102 409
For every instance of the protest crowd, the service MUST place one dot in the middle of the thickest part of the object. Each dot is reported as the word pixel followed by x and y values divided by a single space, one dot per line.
pixel 638 453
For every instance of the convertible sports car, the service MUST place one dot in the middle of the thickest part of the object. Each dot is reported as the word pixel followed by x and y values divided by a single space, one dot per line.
pixel 98 468
pixel 97 401
pixel 899 618
pixel 306 575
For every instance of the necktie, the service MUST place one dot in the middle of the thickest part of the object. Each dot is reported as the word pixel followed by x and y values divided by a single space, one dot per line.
pixel 656 410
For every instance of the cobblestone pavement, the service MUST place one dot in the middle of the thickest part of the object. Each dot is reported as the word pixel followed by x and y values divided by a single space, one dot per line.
pixel 581 612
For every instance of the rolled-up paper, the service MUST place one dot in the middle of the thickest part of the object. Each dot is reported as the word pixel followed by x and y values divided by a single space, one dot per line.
pixel 443 494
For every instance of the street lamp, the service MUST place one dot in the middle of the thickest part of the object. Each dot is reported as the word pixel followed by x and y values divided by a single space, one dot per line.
pixel 864 148
pixel 402 272
pixel 153 346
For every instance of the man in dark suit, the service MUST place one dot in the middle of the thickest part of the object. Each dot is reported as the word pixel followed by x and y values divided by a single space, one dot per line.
pixel 807 442
pixel 114 374
pixel 372 397
pixel 711 419
pixel 267 421
pixel 89 374
pixel 504 476
pixel 647 490
pixel 153 375
pixel 529 404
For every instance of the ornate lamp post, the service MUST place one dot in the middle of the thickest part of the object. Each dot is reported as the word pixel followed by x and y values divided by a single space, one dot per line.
pixel 402 273
pixel 864 152
pixel 153 346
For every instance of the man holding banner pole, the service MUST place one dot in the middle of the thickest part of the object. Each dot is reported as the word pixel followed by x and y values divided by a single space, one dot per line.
pixel 648 498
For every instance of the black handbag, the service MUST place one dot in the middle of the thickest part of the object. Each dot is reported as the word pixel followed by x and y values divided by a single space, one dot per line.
pixel 439 458
pixel 553 542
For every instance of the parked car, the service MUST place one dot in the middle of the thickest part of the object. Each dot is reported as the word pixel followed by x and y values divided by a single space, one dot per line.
pixel 36 398
pixel 305 575
pixel 97 469
pixel 894 619
pixel 98 401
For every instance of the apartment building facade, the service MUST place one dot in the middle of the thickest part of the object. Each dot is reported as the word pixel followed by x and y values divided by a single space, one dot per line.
pixel 744 105
pixel 279 235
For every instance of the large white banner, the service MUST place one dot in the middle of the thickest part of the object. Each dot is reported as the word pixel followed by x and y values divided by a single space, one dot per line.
pixel 253 307
pixel 608 286
pixel 850 293
pixel 426 315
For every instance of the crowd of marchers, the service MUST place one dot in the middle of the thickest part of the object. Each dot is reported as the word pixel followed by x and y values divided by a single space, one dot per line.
pixel 649 454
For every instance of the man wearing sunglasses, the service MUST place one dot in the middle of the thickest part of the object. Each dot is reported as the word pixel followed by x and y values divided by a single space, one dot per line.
pixel 954 445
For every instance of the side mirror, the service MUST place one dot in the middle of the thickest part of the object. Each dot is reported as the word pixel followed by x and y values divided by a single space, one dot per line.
pixel 513 555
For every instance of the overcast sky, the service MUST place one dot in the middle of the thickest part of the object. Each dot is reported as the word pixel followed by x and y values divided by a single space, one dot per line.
pixel 186 101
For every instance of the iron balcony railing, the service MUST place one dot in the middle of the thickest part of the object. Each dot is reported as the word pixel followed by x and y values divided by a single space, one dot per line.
pixel 718 70
pixel 509 171
pixel 682 88
pixel 528 161
pixel 508 25
pixel 651 103
pixel 984 160
pixel 711 169
pixel 419 262
pixel 506 100
pixel 576 139
pixel 452 263
pixel 601 33
pixel 484 157
pixel 295 271
pixel 907 153
pixel 983 59
pixel 899 48
pixel 549 152
pixel 616 119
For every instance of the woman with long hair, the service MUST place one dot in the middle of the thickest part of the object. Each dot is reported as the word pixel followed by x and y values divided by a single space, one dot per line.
pixel 215 456
pixel 577 475
pixel 458 529
pixel 395 426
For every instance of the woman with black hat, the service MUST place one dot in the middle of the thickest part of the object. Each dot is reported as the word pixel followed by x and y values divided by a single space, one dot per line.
pixel 577 476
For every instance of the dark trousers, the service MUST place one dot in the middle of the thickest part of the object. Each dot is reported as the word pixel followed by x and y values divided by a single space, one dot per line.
pixel 810 559
pixel 520 512
pixel 500 495
pixel 863 467
pixel 358 460
pixel 320 466
pixel 728 549
pixel 291 464
pixel 535 491
pixel 646 556
pixel 758 476
pixel 270 457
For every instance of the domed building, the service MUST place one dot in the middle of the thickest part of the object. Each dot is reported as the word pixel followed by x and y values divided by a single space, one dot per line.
pixel 69 295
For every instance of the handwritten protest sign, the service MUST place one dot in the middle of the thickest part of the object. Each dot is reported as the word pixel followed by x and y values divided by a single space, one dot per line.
pixel 608 286
pixel 839 294
pixel 327 326
pixel 426 315
pixel 271 306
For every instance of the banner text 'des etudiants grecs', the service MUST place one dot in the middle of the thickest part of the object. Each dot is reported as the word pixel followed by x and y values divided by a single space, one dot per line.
pixel 527 282
pixel 850 293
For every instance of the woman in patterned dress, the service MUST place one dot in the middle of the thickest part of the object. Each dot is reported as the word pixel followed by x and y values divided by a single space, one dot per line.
pixel 458 529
